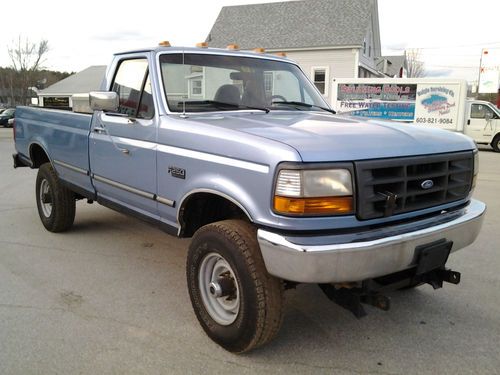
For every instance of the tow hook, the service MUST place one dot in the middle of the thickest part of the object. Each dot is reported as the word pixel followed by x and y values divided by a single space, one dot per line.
pixel 435 278
pixel 352 296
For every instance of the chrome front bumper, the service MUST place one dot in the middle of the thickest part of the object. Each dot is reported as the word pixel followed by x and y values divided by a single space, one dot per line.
pixel 368 254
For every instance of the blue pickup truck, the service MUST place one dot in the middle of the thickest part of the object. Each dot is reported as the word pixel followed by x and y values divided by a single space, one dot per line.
pixel 240 151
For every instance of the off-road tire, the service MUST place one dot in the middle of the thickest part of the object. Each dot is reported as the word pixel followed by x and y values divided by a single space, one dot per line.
pixel 496 143
pixel 62 215
pixel 261 295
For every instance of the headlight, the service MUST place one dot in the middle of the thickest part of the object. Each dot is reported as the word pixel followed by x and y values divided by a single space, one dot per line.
pixel 476 169
pixel 314 192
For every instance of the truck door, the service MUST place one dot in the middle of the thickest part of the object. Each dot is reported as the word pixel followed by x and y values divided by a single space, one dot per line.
pixel 481 122
pixel 123 144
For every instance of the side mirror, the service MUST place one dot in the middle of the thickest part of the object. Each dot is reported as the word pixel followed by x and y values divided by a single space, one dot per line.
pixel 104 101
pixel 488 115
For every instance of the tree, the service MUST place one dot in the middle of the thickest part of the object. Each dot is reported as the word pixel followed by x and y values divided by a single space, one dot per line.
pixel 415 65
pixel 26 61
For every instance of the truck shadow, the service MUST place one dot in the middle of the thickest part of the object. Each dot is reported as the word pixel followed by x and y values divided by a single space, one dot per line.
pixel 314 327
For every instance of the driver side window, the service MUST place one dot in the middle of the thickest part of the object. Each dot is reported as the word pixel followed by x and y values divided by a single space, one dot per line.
pixel 133 86
pixel 481 111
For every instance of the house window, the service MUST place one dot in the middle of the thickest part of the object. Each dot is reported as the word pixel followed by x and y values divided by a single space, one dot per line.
pixel 369 51
pixel 268 83
pixel 364 46
pixel 196 87
pixel 320 79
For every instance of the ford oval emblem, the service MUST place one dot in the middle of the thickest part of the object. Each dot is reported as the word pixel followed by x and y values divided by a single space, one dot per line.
pixel 427 184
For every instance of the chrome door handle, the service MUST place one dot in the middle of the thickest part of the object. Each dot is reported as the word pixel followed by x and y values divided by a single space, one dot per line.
pixel 99 129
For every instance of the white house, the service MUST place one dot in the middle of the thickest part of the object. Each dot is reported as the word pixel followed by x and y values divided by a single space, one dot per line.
pixel 328 38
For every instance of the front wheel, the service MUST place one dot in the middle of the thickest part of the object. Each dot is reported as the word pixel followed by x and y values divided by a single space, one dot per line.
pixel 55 202
pixel 238 304
pixel 496 143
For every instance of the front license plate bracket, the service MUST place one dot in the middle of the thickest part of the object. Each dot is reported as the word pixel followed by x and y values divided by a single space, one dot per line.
pixel 432 256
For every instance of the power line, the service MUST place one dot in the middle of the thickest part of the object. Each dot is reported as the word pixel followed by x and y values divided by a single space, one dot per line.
pixel 447 46
pixel 453 66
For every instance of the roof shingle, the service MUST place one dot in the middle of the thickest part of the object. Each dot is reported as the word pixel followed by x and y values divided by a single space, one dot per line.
pixel 293 24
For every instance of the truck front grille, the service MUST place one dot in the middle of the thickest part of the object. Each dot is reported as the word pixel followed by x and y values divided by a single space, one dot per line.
pixel 387 187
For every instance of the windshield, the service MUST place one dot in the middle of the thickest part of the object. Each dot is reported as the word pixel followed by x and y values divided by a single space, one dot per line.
pixel 204 82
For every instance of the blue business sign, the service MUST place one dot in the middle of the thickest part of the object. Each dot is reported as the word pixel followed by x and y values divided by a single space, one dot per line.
pixel 399 111
pixel 383 101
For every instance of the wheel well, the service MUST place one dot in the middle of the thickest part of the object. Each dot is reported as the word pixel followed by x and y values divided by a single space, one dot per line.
pixel 38 155
pixel 201 209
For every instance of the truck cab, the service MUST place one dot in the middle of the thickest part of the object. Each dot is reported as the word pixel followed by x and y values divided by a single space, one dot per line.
pixel 483 123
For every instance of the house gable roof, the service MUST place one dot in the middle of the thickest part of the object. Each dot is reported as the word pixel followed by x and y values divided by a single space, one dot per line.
pixel 293 24
pixel 394 64
pixel 80 83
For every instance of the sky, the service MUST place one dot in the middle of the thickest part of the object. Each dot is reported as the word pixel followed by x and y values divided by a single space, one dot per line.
pixel 449 33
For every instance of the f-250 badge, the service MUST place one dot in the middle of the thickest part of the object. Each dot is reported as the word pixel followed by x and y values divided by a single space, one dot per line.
pixel 177 172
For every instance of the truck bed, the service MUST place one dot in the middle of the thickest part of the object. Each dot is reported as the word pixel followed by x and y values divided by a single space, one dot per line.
pixel 62 135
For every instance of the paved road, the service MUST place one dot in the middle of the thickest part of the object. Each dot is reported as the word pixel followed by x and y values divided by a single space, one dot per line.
pixel 110 297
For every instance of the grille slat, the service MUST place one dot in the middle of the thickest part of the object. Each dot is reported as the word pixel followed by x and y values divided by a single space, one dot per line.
pixel 398 183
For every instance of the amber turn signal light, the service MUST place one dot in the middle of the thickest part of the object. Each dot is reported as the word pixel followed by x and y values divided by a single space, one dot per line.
pixel 313 206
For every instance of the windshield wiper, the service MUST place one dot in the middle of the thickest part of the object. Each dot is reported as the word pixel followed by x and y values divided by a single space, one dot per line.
pixel 223 104
pixel 301 104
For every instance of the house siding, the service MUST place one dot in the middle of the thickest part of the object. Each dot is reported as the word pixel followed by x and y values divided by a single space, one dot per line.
pixel 341 63
pixel 367 58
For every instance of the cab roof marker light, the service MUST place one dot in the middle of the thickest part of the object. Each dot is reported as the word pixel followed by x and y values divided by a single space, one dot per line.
pixel 233 47
pixel 202 45
pixel 259 50
pixel 164 43
pixel 281 54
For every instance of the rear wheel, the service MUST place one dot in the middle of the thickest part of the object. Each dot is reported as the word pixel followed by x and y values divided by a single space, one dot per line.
pixel 496 143
pixel 55 202
pixel 238 304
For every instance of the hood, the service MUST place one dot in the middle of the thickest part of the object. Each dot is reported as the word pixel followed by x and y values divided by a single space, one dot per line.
pixel 323 137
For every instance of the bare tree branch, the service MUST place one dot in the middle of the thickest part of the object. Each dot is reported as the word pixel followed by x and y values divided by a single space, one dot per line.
pixel 26 59
pixel 415 65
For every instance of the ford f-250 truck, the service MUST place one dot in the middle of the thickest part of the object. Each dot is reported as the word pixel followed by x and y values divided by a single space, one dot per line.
pixel 240 151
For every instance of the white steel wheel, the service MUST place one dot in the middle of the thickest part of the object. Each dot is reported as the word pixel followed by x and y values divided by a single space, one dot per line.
pixel 55 202
pixel 219 289
pixel 45 197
